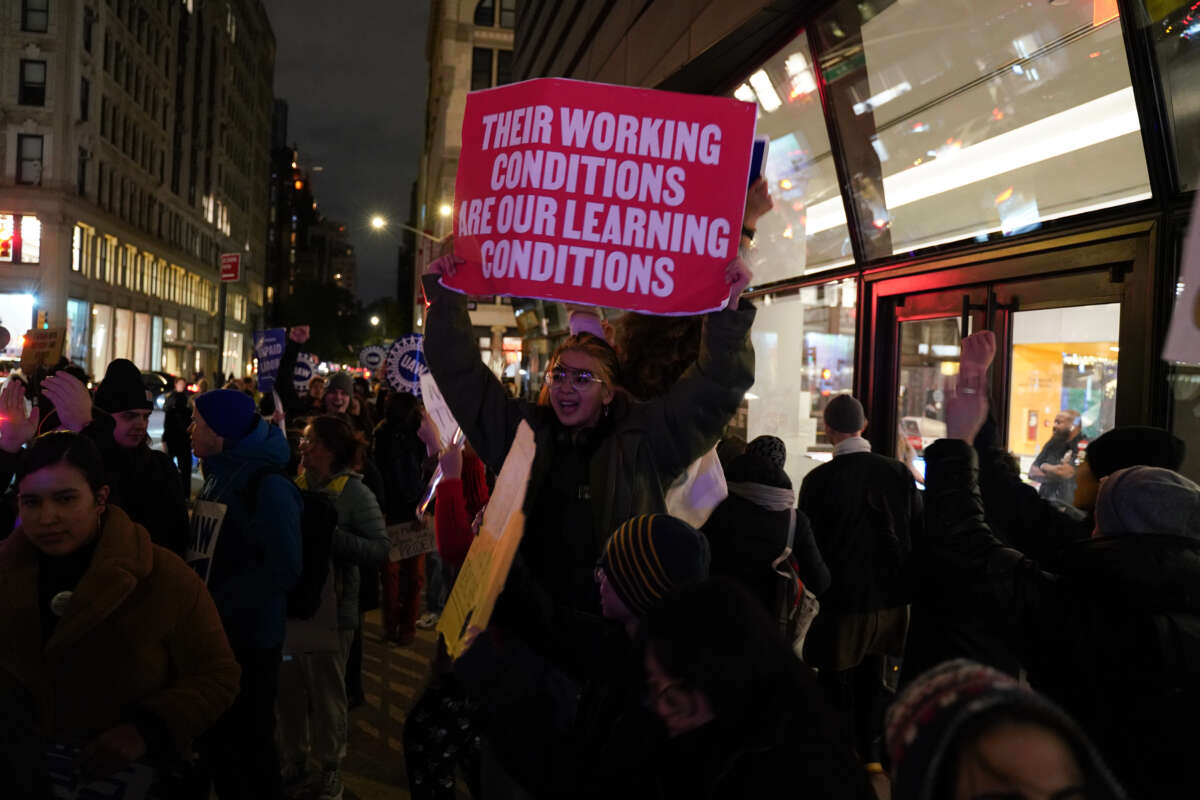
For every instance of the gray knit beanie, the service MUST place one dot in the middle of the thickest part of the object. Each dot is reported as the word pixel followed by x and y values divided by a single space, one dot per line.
pixel 1148 500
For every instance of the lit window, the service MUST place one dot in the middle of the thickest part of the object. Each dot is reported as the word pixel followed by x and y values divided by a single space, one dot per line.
pixel 31 240
pixel 7 231
pixel 29 159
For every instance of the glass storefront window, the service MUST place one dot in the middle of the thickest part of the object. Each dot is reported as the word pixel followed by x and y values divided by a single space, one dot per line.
pixel 1064 361
pixel 807 229
pixel 102 317
pixel 803 356
pixel 141 341
pixel 233 351
pixel 156 343
pixel 77 330
pixel 991 120
pixel 187 332
pixel 1174 29
pixel 170 329
pixel 123 347
pixel 929 355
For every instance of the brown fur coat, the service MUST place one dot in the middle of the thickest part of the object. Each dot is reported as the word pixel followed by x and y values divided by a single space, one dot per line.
pixel 140 635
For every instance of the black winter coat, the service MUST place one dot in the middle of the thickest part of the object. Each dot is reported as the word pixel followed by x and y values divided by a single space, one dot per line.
pixel 1113 636
pixel 745 539
pixel 864 508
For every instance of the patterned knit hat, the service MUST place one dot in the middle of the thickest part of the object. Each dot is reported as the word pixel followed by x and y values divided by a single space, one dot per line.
pixel 925 723
pixel 649 556
pixel 769 447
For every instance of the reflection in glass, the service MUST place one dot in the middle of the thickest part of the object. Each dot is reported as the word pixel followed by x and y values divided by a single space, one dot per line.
pixel 929 353
pixel 963 119
pixel 1174 28
pixel 807 229
pixel 1062 359
pixel 803 355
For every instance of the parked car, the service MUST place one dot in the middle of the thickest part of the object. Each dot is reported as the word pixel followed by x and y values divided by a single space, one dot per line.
pixel 922 432
pixel 159 384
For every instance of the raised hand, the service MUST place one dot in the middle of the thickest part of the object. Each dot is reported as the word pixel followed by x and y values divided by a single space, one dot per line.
pixel 758 203
pixel 71 400
pixel 738 276
pixel 446 266
pixel 965 414
pixel 298 334
pixel 978 352
pixel 17 426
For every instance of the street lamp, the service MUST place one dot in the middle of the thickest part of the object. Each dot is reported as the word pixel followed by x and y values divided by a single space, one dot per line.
pixel 375 321
pixel 378 222
pixel 445 209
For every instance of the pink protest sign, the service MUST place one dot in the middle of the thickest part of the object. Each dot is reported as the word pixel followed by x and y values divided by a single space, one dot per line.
pixel 602 195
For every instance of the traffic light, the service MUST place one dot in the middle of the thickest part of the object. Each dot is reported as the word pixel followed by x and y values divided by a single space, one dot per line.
pixel 43 320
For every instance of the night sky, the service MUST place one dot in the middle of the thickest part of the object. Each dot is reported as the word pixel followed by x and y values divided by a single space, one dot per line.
pixel 354 76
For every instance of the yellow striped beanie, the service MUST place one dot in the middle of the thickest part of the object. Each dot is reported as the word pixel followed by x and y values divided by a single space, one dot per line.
pixel 651 555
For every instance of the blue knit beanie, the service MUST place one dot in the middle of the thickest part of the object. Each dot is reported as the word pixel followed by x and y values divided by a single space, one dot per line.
pixel 230 414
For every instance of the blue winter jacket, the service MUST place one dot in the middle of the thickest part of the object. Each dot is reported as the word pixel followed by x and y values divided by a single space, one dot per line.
pixel 258 552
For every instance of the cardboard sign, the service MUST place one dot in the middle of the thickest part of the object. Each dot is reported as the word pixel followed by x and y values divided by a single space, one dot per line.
pixel 1183 337
pixel 438 410
pixel 602 195
pixel 207 517
pixel 43 348
pixel 411 539
pixel 231 267
pixel 372 357
pixel 268 349
pixel 405 364
pixel 479 583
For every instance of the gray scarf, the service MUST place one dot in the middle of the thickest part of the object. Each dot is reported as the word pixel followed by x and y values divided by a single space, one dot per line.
pixel 772 498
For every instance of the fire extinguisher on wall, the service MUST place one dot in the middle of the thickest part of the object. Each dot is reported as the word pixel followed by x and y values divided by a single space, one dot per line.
pixel 1031 426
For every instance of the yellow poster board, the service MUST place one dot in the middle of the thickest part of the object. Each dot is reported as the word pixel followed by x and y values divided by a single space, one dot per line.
pixel 43 348
pixel 482 577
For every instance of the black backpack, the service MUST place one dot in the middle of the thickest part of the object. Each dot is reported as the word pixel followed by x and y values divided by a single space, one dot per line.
pixel 318 519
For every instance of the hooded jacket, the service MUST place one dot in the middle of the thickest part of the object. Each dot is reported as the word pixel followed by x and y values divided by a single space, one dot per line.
pixel 140 636
pixel 624 466
pixel 360 539
pixel 258 552
pixel 1113 635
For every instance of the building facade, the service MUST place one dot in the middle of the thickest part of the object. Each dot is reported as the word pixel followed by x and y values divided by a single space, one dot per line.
pixel 939 167
pixel 135 151
pixel 470 47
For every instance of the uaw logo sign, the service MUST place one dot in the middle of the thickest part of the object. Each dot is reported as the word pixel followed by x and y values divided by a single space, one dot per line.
pixel 373 357
pixel 406 363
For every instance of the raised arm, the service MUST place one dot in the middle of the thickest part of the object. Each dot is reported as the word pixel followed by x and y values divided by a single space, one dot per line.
pixel 488 415
pixel 285 386
pixel 688 421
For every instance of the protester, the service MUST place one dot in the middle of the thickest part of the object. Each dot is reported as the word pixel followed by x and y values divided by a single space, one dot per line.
pixel 744 718
pixel 177 418
pixel 401 455
pixel 313 705
pixel 441 733
pixel 601 457
pixel 143 481
pixel 756 533
pixel 1110 634
pixel 965 731
pixel 595 738
pixel 864 509
pixel 116 639
pixel 255 561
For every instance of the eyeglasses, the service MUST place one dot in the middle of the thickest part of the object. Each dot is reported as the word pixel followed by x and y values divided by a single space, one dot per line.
pixel 579 378
pixel 671 697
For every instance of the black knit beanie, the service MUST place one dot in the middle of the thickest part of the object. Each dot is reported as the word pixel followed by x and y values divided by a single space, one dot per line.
pixel 1134 446
pixel 845 414
pixel 122 388
pixel 651 555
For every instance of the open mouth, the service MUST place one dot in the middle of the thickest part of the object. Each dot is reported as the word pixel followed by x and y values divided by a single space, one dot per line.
pixel 567 406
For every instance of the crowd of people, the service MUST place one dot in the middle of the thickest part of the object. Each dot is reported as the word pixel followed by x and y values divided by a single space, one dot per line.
pixel 680 620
